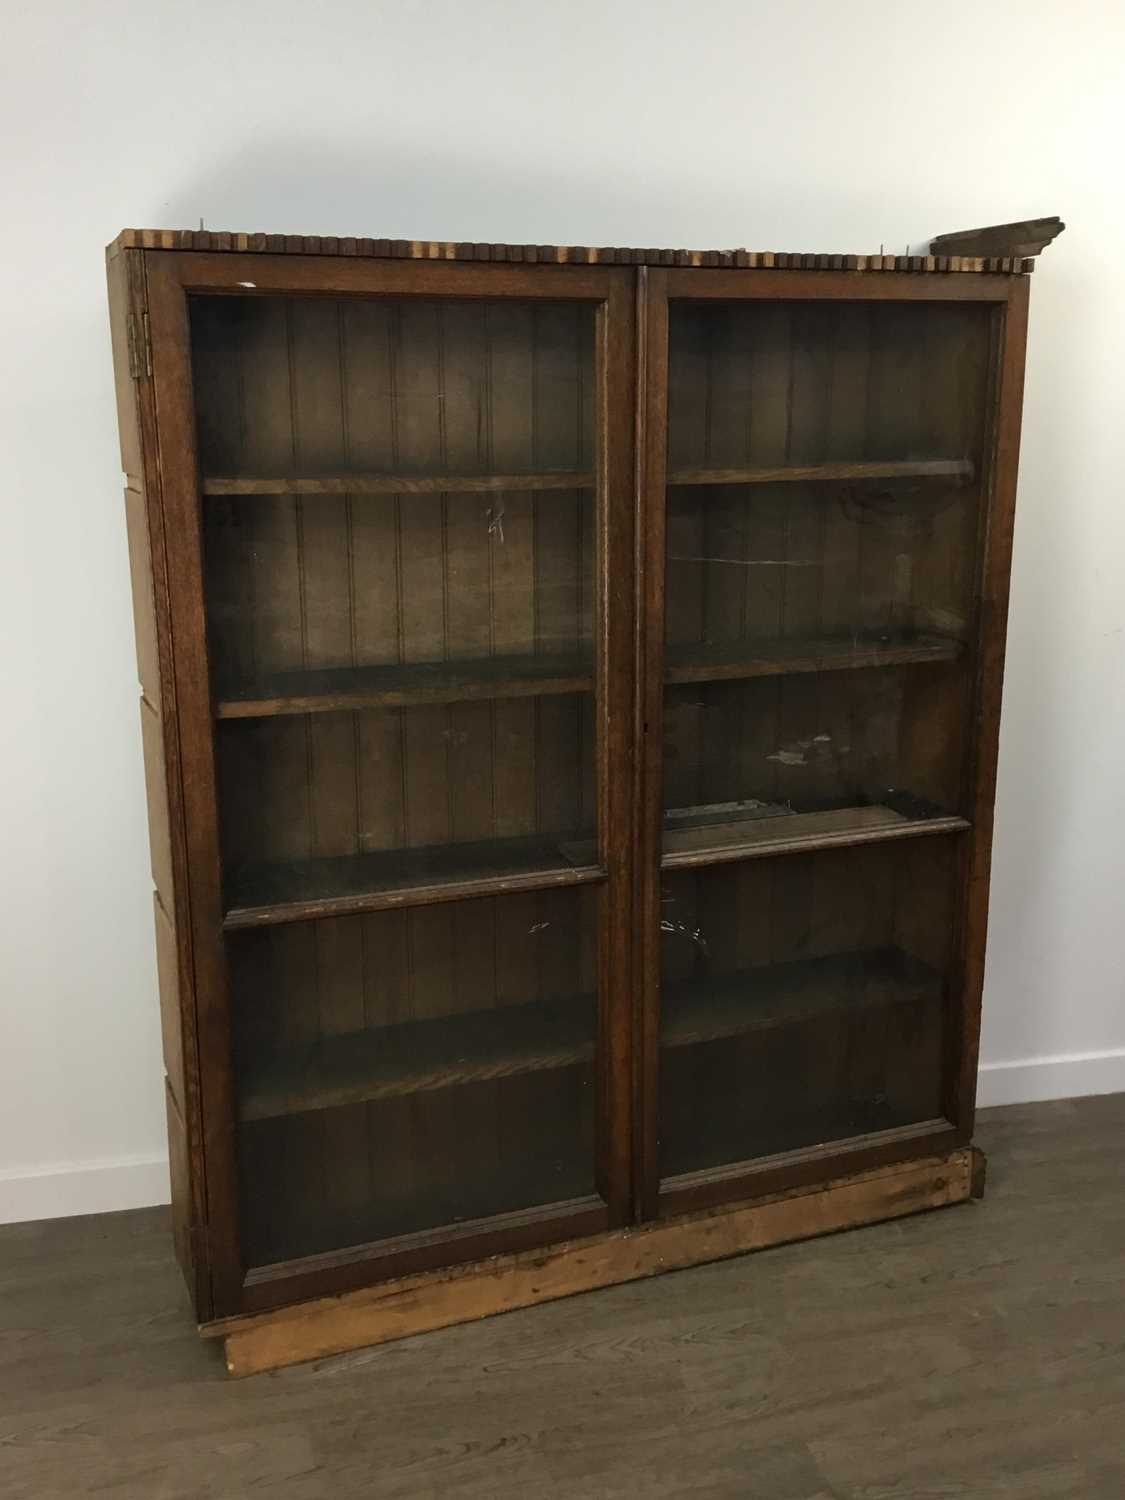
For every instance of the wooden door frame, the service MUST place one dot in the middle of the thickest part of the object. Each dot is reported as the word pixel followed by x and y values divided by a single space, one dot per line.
pixel 170 278
pixel 1008 297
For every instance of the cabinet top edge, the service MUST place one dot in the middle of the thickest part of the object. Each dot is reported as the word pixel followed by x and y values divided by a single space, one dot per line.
pixel 211 240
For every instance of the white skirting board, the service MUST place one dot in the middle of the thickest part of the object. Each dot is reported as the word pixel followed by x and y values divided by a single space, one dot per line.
pixel 1068 1076
pixel 64 1189
pixel 59 1191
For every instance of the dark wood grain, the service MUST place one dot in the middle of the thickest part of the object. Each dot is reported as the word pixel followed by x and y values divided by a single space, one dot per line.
pixel 334 689
pixel 937 468
pixel 260 893
pixel 393 484
pixel 797 284
pixel 613 560
pixel 198 882
pixel 995 560
pixel 418 692
pixel 420 1056
pixel 160 721
pixel 648 781
pixel 773 828
pixel 761 393
pixel 794 833
pixel 307 389
pixel 732 660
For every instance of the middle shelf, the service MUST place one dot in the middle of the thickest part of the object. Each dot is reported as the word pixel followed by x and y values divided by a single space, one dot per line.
pixel 398 685
pixel 332 689
pixel 420 1056
pixel 261 893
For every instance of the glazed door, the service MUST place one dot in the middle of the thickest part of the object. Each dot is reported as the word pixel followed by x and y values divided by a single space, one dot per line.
pixel 401 490
pixel 821 463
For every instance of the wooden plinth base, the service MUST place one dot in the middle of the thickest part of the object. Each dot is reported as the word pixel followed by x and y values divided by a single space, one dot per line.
pixel 419 1304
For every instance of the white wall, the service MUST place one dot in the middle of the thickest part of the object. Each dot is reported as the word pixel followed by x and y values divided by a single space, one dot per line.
pixel 812 126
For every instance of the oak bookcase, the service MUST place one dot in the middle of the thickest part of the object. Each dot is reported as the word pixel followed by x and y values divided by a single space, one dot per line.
pixel 570 691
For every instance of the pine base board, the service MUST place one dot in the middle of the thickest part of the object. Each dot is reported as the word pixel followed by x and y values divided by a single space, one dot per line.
pixel 419 1304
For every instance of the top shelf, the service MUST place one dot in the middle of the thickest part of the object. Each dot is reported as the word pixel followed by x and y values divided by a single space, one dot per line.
pixel 931 468
pixel 960 470
pixel 394 484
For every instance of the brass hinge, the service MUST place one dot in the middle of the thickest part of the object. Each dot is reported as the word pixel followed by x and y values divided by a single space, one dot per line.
pixel 140 346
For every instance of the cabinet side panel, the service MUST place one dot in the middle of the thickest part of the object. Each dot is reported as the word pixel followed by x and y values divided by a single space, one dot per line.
pixel 160 739
pixel 122 329
pixel 144 602
pixel 179 1172
pixel 156 788
pixel 171 1020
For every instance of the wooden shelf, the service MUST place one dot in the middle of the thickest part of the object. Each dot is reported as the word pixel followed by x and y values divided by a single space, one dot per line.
pixel 732 1153
pixel 394 484
pixel 395 686
pixel 773 829
pixel 420 1056
pixel 959 469
pixel 295 1243
pixel 704 836
pixel 731 660
pixel 260 894
pixel 788 994
pixel 398 686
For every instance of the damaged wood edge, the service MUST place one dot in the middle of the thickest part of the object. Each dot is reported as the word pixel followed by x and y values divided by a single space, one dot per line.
pixel 426 1302
pixel 1027 237
pixel 210 241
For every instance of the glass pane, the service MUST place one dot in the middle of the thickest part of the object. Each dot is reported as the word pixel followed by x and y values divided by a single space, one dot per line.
pixel 399 516
pixel 399 522
pixel 404 1070
pixel 824 496
pixel 774 757
pixel 804 1000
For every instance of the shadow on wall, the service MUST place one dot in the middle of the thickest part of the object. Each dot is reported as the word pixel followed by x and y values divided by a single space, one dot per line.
pixel 1027 967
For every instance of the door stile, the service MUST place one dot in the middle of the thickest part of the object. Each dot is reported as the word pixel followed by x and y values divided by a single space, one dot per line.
pixel 652 434
pixel 172 378
pixel 1010 320
pixel 616 337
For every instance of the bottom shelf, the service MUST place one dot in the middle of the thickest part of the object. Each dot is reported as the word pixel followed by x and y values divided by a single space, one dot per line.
pixel 323 1183
pixel 427 1124
pixel 845 1046
pixel 789 994
pixel 419 1056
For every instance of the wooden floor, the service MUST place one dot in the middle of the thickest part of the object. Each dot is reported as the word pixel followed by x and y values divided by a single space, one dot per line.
pixel 977 1352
